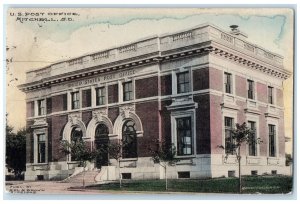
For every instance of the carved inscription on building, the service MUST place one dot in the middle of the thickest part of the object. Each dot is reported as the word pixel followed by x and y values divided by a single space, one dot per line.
pixel 104 78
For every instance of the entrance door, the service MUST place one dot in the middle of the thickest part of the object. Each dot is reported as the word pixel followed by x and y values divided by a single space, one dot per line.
pixel 101 143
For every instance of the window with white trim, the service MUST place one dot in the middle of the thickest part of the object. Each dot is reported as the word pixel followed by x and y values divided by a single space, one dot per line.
pixel 127 91
pixel 251 92
pixel 184 136
pixel 183 82
pixel 252 143
pixel 272 140
pixel 75 100
pixel 270 95
pixel 41 107
pixel 41 145
pixel 100 96
pixel 229 141
pixel 228 82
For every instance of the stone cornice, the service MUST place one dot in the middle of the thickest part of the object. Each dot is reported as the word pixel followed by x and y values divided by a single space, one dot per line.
pixel 203 39
pixel 250 62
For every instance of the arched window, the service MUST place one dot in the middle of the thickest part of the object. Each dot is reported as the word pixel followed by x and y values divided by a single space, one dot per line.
pixel 129 149
pixel 76 134
pixel 101 143
pixel 76 137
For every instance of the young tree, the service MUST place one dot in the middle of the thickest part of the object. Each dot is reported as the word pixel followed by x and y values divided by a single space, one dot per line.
pixel 80 152
pixel 165 155
pixel 241 134
pixel 115 151
pixel 16 150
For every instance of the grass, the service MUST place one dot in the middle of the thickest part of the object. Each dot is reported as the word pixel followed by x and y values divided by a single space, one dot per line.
pixel 251 184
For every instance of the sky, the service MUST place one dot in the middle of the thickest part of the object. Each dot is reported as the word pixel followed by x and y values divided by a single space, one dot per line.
pixel 36 44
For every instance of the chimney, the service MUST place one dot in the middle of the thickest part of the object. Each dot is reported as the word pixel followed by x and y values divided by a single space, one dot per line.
pixel 235 31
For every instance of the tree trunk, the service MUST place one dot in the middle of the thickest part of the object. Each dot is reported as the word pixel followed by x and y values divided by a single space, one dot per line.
pixel 240 174
pixel 83 182
pixel 166 177
pixel 120 176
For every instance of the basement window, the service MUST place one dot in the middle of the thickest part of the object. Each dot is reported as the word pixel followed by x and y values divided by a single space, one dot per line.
pixel 254 173
pixel 184 174
pixel 126 175
pixel 231 173
pixel 40 177
pixel 274 172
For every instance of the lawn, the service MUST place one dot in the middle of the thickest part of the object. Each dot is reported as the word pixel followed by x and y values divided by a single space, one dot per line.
pixel 251 184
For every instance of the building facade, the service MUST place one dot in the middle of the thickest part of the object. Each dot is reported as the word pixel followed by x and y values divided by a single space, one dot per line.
pixel 188 88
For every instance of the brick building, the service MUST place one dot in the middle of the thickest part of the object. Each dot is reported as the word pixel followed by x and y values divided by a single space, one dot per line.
pixel 189 88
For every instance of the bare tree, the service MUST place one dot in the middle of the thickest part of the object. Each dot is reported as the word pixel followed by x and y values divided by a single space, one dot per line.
pixel 115 151
pixel 165 155
pixel 240 134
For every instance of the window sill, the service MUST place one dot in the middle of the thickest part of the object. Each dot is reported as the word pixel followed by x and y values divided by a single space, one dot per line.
pixel 39 164
pixel 128 159
pixel 185 156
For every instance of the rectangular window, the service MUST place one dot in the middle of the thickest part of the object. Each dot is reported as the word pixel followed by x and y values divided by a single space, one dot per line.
pixel 272 141
pixel 184 174
pixel 270 95
pixel 228 82
pixel 75 100
pixel 100 96
pixel 184 136
pixel 127 91
pixel 41 148
pixel 250 89
pixel 229 142
pixel 41 107
pixel 252 137
pixel 183 82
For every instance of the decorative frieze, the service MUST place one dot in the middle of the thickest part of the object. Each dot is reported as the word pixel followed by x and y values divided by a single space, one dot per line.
pixel 226 37
pixel 100 55
pixel 182 36
pixel 126 109
pixel 99 113
pixel 74 118
pixel 75 61
pixel 128 48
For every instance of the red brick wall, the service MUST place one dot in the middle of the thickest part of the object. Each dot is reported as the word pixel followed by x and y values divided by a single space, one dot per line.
pixel 281 135
pixel 215 79
pixel 201 79
pixel 241 118
pixel 30 109
pixel 49 105
pixel 113 113
pixel 166 121
pixel 166 84
pixel 86 98
pixel 113 94
pixel 263 133
pixel 279 96
pixel 86 117
pixel 146 87
pixel 241 86
pixel 49 122
pixel 215 123
pixel 262 94
pixel 58 124
pixel 29 142
pixel 203 124
pixel 148 113
pixel 58 103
